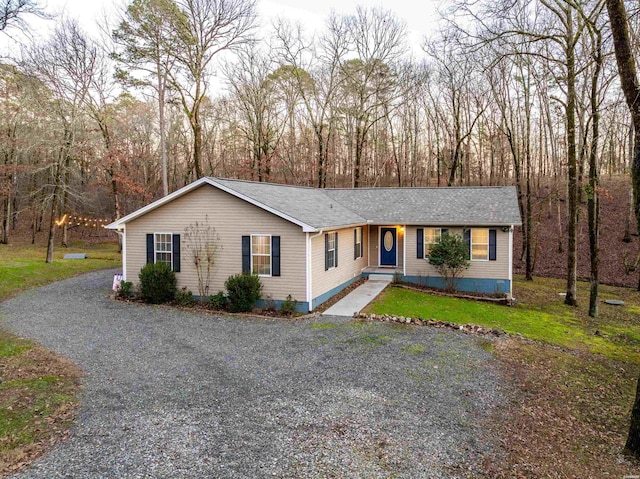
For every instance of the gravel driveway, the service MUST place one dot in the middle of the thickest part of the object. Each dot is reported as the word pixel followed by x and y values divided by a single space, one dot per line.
pixel 175 394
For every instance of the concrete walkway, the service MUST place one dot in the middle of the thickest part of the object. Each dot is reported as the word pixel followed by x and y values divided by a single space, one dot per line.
pixel 357 299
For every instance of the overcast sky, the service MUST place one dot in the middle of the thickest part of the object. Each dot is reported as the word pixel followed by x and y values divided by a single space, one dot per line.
pixel 419 15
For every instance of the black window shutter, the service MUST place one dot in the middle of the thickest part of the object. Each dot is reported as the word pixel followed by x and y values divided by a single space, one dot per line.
pixel 336 253
pixel 492 245
pixel 444 231
pixel 326 252
pixel 150 248
pixel 275 256
pixel 420 243
pixel 355 244
pixel 176 253
pixel 246 254
pixel 467 239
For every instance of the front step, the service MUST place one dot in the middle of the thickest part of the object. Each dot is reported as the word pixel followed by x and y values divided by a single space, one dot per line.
pixel 380 277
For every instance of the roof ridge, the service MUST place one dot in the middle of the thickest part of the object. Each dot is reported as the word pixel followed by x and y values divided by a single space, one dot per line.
pixel 238 180
pixel 419 188
pixel 344 188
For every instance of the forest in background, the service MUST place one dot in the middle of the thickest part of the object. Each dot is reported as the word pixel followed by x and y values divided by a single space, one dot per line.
pixel 521 93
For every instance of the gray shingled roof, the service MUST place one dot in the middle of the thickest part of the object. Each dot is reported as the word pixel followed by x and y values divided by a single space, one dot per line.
pixel 308 205
pixel 325 208
pixel 479 205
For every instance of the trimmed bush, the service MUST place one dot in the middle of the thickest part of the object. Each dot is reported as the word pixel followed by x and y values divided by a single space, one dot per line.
pixel 243 290
pixel 125 291
pixel 288 306
pixel 158 283
pixel 450 258
pixel 184 297
pixel 218 301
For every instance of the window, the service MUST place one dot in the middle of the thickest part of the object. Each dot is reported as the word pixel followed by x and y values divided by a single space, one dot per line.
pixel 261 255
pixel 480 244
pixel 163 251
pixel 331 250
pixel 431 237
pixel 358 243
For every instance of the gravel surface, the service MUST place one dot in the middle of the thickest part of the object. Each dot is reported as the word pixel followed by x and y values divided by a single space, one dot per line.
pixel 169 393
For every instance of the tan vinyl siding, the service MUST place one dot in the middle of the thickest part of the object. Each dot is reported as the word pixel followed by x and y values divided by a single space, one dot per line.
pixel 348 268
pixel 232 219
pixel 374 246
pixel 498 269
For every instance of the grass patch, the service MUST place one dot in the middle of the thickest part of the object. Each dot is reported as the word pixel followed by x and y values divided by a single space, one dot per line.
pixel 541 316
pixel 11 346
pixel 38 395
pixel 38 398
pixel 23 267
pixel 415 349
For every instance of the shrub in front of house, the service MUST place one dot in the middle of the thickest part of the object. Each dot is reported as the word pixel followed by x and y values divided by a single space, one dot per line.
pixel 184 297
pixel 158 283
pixel 218 301
pixel 243 290
pixel 450 257
pixel 288 306
pixel 125 290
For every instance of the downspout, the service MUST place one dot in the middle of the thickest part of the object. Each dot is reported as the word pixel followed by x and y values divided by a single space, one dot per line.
pixel 309 275
pixel 123 239
pixel 511 262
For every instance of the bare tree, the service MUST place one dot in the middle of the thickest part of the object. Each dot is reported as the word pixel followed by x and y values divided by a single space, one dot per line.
pixel 315 68
pixel 12 12
pixel 205 29
pixel 371 79
pixel 254 92
pixel 66 65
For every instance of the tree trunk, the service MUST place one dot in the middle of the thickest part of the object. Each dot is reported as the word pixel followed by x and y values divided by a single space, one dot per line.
pixel 52 220
pixel 631 89
pixel 572 195
pixel 6 220
pixel 163 133
pixel 197 145
pixel 593 199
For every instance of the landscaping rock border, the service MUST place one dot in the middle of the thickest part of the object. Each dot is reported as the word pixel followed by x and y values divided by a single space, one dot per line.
pixel 465 328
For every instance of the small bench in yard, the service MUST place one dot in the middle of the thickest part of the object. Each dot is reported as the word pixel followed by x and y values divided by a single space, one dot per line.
pixel 76 256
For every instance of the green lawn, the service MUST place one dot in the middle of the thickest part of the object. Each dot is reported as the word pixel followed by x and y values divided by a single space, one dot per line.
pixel 23 267
pixel 38 393
pixel 541 315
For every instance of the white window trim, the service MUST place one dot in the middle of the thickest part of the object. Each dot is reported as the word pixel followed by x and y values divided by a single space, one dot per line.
pixel 361 254
pixel 155 251
pixel 471 244
pixel 333 235
pixel 257 254
pixel 424 239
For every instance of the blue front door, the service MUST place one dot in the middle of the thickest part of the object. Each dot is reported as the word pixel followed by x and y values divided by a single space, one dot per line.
pixel 388 247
